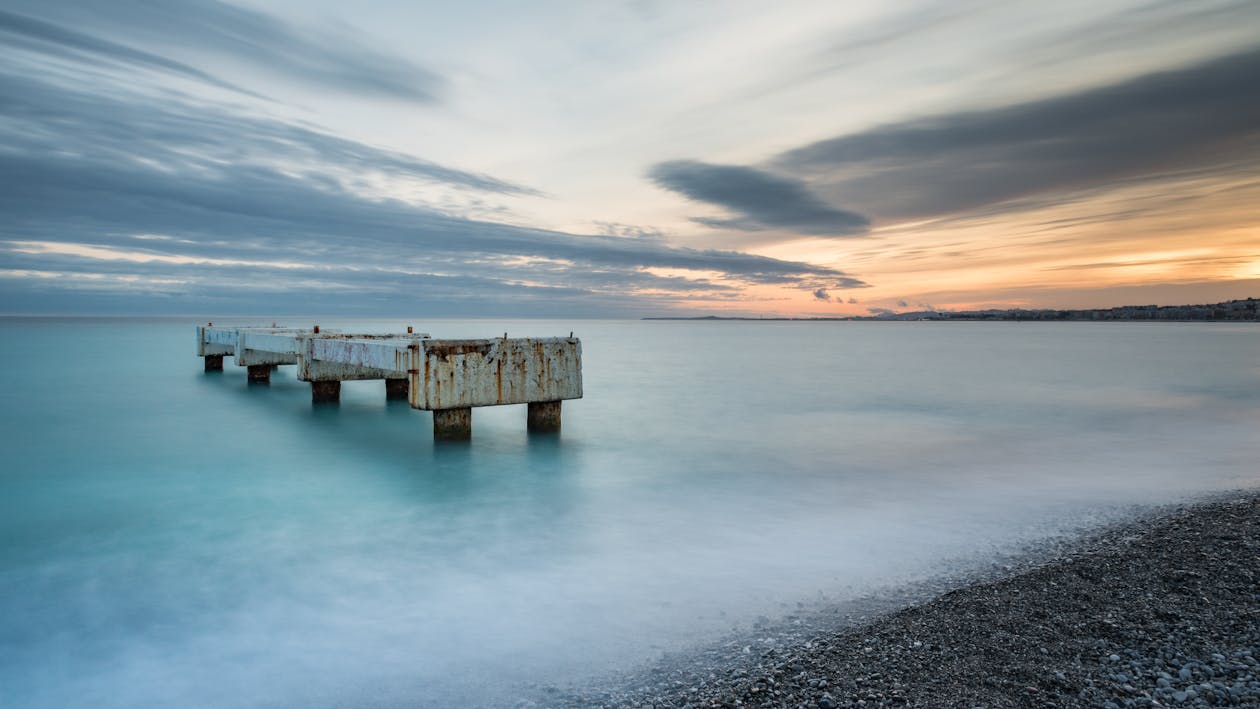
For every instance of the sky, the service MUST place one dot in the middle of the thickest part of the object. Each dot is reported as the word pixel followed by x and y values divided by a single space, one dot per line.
pixel 626 159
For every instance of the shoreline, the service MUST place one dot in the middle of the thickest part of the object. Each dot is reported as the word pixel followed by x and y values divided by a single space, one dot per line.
pixel 1159 610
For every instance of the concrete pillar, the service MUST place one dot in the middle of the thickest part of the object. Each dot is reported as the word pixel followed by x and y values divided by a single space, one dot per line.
pixel 396 389
pixel 544 417
pixel 326 392
pixel 452 424
pixel 259 373
pixel 214 363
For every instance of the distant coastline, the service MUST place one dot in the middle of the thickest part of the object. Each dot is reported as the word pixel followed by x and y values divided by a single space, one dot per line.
pixel 1228 311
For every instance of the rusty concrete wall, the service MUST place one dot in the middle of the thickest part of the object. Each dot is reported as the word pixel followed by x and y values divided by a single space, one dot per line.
pixel 248 357
pixel 442 374
pixel 388 354
pixel 318 370
pixel 355 357
pixel 268 347
pixel 227 340
pixel 461 373
pixel 271 341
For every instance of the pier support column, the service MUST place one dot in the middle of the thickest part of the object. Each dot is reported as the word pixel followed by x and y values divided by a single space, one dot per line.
pixel 326 392
pixel 396 389
pixel 259 373
pixel 214 363
pixel 452 424
pixel 544 417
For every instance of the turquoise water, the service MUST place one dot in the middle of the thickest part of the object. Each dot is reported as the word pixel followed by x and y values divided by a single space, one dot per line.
pixel 175 538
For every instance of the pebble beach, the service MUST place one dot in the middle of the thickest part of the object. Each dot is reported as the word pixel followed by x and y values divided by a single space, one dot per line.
pixel 1159 611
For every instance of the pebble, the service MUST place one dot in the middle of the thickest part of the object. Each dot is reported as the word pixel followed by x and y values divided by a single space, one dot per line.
pixel 1161 611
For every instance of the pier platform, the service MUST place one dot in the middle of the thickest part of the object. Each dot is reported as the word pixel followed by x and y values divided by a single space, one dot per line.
pixel 447 377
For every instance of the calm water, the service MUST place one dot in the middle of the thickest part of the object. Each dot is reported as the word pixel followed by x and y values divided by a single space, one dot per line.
pixel 169 537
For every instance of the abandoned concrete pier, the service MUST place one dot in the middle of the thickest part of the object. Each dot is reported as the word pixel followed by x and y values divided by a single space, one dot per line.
pixel 447 377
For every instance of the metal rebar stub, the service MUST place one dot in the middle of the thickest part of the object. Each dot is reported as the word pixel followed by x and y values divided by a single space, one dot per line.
pixel 543 417
pixel 259 373
pixel 326 392
pixel 452 424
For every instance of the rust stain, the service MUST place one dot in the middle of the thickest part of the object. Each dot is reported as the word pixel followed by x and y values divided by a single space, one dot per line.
pixel 426 378
pixel 498 379
pixel 450 376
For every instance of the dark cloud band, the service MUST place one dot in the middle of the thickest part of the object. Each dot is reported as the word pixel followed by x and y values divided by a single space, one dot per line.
pixel 47 38
pixel 1203 115
pixel 267 42
pixel 760 199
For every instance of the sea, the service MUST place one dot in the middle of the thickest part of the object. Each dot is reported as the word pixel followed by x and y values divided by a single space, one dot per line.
pixel 171 537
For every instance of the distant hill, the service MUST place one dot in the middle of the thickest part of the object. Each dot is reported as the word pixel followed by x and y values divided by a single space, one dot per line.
pixel 1230 310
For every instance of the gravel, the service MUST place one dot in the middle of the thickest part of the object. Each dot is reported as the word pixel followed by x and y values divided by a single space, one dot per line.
pixel 1158 612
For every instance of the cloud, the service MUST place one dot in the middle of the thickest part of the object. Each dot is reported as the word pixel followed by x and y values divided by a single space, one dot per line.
pixel 330 60
pixel 31 34
pixel 42 282
pixel 630 231
pixel 204 209
pixel 844 283
pixel 1168 121
pixel 180 135
pixel 760 199
pixel 822 294
pixel 239 210
pixel 881 311
pixel 905 23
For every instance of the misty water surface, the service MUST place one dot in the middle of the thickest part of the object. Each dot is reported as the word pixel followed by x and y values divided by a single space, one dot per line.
pixel 169 537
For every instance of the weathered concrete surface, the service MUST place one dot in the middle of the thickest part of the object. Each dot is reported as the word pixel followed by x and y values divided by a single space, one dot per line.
pixel 393 354
pixel 207 346
pixel 325 358
pixel 446 376
pixel 396 389
pixel 543 417
pixel 214 363
pixel 450 374
pixel 284 345
pixel 322 370
pixel 455 373
pixel 281 341
pixel 213 340
pixel 452 424
pixel 326 392
pixel 250 357
pixel 269 346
